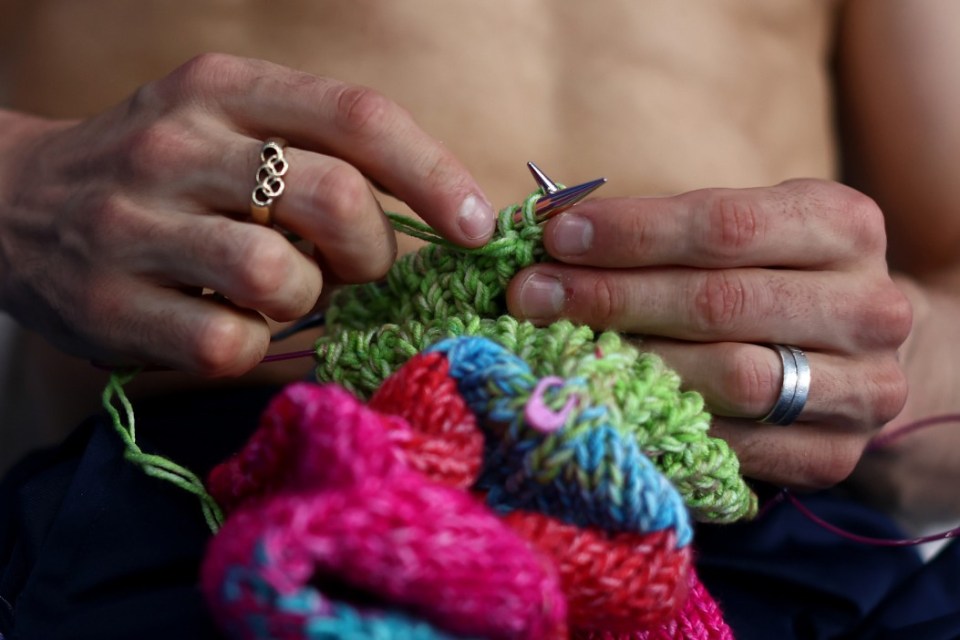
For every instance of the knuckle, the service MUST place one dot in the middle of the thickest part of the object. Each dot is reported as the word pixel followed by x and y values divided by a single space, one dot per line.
pixel 718 302
pixel 155 150
pixel 340 192
pixel 831 461
pixel 202 75
pixel 638 237
pixel 898 316
pixel 111 212
pixel 203 71
pixel 883 318
pixel 809 191
pixel 606 302
pixel 837 463
pixel 890 388
pixel 733 224
pixel 108 227
pixel 361 110
pixel 864 222
pixel 149 98
pixel 352 224
pixel 265 267
pixel 855 216
pixel 219 346
pixel 382 255
pixel 752 383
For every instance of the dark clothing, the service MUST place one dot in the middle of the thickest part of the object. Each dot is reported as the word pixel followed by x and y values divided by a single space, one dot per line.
pixel 785 577
pixel 91 548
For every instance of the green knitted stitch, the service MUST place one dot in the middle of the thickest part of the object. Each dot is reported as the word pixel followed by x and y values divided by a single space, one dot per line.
pixel 442 281
pixel 443 291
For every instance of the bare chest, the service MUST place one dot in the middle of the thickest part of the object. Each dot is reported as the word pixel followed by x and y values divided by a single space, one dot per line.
pixel 660 96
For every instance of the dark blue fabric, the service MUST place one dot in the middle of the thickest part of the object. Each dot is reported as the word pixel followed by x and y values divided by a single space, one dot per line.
pixel 925 605
pixel 91 548
pixel 786 577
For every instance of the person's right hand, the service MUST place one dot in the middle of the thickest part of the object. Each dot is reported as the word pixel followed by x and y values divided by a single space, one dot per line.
pixel 111 227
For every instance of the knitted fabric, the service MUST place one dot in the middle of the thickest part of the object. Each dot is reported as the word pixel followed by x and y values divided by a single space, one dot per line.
pixel 504 480
pixel 621 582
pixel 700 617
pixel 346 492
pixel 632 579
pixel 445 443
pixel 443 291
pixel 346 514
pixel 588 474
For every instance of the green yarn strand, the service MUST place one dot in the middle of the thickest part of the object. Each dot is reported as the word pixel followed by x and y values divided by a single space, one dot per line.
pixel 155 466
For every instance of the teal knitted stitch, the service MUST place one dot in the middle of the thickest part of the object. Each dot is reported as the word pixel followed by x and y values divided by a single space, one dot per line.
pixel 443 291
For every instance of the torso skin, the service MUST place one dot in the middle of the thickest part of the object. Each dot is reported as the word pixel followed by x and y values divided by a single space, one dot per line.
pixel 660 97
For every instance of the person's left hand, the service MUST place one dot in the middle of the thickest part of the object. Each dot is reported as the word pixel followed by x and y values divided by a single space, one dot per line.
pixel 711 278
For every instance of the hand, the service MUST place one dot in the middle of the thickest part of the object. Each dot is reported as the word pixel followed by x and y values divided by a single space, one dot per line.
pixel 111 227
pixel 912 468
pixel 710 277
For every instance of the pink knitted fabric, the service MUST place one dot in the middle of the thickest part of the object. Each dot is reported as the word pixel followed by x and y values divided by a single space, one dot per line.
pixel 348 512
pixel 446 444
pixel 616 582
pixel 332 492
pixel 306 440
pixel 700 618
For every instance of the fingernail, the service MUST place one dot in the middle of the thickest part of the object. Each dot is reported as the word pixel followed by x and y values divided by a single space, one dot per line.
pixel 572 235
pixel 541 297
pixel 476 217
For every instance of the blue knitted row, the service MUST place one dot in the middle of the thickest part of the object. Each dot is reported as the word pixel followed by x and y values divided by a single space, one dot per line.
pixel 597 477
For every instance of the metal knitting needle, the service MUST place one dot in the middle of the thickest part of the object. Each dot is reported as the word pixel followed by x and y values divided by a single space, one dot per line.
pixel 555 199
pixel 548 185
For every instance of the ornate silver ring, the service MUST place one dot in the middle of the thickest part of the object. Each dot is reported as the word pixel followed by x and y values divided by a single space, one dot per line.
pixel 269 178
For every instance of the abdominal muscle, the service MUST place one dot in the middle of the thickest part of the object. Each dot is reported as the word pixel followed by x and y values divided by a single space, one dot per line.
pixel 659 97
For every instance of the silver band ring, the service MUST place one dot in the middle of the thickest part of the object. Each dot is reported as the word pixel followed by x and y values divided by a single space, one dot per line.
pixel 794 389
pixel 269 177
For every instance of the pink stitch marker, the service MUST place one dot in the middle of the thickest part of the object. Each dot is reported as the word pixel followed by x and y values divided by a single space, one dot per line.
pixel 541 417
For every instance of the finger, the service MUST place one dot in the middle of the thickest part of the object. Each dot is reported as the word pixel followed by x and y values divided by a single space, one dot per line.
pixel 745 380
pixel 353 123
pixel 325 201
pixel 800 223
pixel 826 311
pixel 254 267
pixel 808 456
pixel 330 204
pixel 166 327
